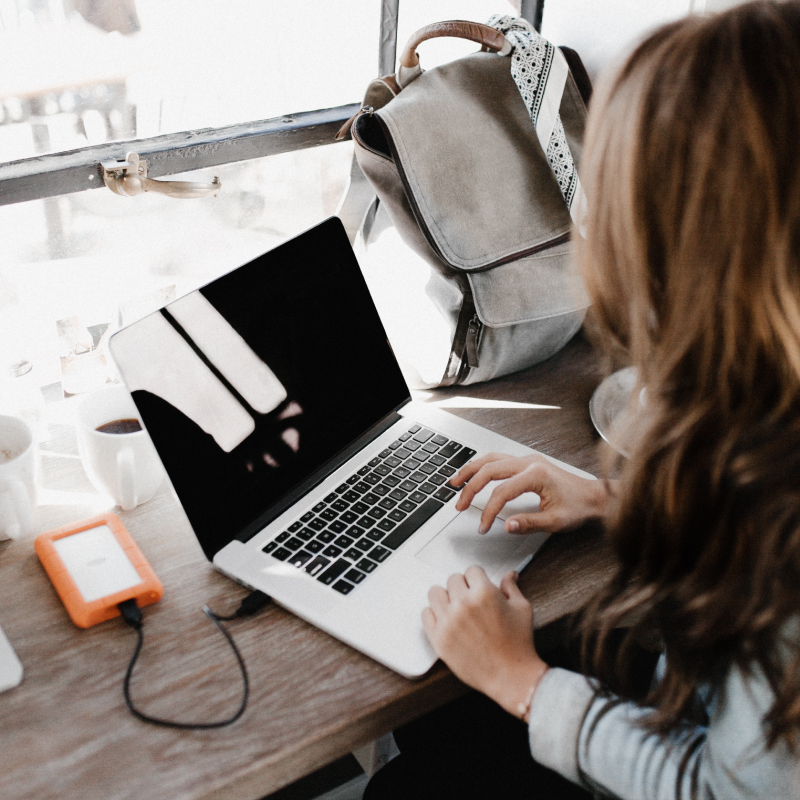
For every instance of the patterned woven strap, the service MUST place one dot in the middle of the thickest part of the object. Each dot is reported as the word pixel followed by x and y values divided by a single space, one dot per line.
pixel 540 71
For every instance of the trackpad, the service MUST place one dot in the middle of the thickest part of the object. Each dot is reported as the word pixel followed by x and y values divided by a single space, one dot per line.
pixel 459 545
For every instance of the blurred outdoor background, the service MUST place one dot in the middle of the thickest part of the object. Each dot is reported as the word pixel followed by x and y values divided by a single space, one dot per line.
pixel 75 73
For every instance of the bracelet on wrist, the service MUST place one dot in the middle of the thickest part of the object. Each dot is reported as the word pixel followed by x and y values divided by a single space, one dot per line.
pixel 524 708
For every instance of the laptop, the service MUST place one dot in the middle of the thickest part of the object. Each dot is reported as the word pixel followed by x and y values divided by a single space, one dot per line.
pixel 306 470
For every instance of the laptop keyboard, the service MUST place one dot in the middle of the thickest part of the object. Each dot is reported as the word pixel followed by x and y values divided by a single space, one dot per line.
pixel 348 535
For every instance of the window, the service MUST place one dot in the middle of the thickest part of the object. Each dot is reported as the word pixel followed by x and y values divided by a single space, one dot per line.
pixel 243 90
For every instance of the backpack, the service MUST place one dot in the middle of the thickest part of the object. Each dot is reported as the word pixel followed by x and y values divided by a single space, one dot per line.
pixel 476 167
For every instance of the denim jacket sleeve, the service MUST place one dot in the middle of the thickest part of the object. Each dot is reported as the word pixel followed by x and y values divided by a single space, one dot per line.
pixel 599 742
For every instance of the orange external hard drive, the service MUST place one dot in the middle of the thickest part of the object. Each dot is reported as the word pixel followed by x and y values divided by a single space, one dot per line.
pixel 94 565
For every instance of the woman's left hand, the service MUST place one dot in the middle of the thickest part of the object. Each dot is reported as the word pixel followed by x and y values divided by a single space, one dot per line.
pixel 485 635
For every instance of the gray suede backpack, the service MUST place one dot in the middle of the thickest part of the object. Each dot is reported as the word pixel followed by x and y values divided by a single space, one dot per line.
pixel 475 162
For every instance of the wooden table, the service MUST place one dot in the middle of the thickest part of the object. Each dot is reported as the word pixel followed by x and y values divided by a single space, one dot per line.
pixel 65 732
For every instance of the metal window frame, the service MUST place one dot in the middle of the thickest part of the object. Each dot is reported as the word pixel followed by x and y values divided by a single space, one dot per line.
pixel 79 170
pixel 532 10
pixel 390 11
pixel 170 154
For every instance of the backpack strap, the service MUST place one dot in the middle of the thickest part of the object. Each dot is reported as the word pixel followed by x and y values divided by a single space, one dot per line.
pixel 358 204
pixel 540 71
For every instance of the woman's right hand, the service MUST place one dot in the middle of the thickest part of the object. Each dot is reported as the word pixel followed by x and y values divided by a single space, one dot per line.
pixel 566 501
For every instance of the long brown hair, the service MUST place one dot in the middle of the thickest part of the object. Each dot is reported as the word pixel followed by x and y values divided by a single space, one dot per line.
pixel 692 257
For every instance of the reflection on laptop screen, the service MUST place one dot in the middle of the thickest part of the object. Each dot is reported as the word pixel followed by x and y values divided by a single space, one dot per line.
pixel 253 382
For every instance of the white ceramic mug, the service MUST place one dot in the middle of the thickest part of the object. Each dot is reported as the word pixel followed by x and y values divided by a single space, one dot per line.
pixel 17 486
pixel 122 465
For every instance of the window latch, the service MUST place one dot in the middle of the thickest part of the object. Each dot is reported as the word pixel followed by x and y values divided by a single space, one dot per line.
pixel 128 177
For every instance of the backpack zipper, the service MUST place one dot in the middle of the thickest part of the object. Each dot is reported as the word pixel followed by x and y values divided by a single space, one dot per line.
pixel 471 344
pixel 342 132
pixel 356 136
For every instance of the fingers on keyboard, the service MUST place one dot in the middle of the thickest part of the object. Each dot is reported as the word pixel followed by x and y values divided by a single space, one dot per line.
pixel 346 536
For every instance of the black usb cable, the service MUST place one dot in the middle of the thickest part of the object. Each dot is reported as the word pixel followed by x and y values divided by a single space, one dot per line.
pixel 132 615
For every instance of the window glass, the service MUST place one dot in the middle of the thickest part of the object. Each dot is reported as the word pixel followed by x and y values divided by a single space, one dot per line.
pixel 605 32
pixel 78 72
pixel 75 268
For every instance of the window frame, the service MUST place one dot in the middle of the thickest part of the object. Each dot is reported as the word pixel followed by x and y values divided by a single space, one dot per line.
pixel 57 174
pixel 169 154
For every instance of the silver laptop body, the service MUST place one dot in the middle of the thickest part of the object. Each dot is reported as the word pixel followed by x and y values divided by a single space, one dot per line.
pixel 304 467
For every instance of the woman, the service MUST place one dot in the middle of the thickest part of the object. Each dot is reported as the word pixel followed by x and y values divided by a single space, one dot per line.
pixel 692 257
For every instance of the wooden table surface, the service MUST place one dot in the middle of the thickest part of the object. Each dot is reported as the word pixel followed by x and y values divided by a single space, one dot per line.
pixel 65 732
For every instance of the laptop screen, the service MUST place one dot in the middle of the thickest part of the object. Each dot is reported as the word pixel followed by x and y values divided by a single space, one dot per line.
pixel 253 382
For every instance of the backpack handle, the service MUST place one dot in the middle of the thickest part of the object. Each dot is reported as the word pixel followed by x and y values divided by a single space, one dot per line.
pixel 489 38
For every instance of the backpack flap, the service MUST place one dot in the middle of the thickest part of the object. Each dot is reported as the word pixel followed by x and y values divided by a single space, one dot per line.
pixel 506 295
pixel 472 165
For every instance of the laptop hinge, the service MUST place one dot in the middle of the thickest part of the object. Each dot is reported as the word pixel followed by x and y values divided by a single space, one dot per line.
pixel 310 483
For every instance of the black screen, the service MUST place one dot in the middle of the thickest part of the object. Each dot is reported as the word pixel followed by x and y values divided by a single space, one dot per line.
pixel 305 310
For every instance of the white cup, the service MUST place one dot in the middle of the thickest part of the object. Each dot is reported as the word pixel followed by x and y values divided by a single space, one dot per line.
pixel 122 465
pixel 17 486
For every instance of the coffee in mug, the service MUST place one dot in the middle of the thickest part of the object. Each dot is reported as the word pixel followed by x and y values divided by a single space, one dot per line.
pixel 120 426
pixel 116 451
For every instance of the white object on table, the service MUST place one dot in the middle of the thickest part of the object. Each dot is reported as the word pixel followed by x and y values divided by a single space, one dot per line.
pixel 612 407
pixel 10 666
pixel 17 488
pixel 125 466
